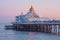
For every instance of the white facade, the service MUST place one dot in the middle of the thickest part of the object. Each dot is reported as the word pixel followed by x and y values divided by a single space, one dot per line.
pixel 55 29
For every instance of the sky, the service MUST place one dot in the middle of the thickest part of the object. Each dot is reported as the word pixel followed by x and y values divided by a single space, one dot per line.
pixel 44 8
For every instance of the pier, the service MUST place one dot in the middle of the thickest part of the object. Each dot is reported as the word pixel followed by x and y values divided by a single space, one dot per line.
pixel 34 27
pixel 47 28
pixel 32 22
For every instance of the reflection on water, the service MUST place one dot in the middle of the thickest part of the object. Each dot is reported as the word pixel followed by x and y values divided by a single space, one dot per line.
pixel 20 35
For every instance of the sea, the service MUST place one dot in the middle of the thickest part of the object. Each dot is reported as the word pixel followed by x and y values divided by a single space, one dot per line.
pixel 22 35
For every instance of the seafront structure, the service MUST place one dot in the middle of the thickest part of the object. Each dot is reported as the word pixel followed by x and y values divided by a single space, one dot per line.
pixel 32 22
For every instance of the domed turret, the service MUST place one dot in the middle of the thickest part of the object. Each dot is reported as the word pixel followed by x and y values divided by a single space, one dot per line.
pixel 31 9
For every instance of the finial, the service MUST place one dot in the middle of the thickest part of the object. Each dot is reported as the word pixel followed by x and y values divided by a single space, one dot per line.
pixel 31 9
pixel 21 13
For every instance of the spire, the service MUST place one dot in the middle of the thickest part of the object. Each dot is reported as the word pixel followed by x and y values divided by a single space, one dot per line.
pixel 31 9
pixel 21 13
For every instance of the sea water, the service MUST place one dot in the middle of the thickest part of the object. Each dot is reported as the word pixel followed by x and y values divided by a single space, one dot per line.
pixel 22 35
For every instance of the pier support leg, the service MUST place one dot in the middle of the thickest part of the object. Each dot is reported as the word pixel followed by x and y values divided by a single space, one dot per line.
pixel 48 29
pixel 44 28
pixel 38 28
pixel 57 29
pixel 52 29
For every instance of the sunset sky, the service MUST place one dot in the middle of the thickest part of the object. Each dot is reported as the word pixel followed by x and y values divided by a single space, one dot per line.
pixel 44 8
